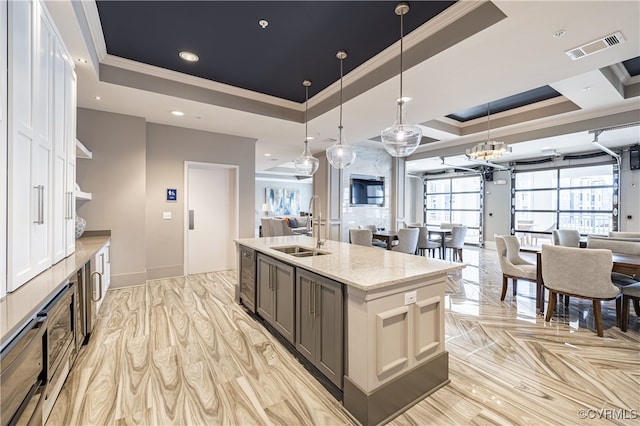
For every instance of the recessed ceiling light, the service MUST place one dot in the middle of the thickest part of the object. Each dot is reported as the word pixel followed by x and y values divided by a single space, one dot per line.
pixel 97 98
pixel 263 23
pixel 559 33
pixel 267 155
pixel 84 61
pixel 405 99
pixel 586 88
pixel 189 56
pixel 309 138
pixel 177 113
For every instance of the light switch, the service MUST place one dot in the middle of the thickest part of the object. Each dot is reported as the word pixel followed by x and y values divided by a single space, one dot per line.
pixel 166 215
pixel 410 298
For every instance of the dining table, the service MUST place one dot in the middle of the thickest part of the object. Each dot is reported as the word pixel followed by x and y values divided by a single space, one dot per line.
pixel 386 236
pixel 628 264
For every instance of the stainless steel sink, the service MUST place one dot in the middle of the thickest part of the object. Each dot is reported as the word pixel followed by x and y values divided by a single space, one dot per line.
pixel 300 251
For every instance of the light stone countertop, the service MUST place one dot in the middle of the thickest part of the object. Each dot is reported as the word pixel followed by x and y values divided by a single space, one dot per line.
pixel 18 307
pixel 365 268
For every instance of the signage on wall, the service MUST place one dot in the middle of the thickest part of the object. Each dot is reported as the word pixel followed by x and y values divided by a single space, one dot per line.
pixel 172 194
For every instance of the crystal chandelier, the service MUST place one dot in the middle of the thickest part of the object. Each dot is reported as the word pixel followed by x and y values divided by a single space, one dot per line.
pixel 401 139
pixel 341 154
pixel 306 164
pixel 489 150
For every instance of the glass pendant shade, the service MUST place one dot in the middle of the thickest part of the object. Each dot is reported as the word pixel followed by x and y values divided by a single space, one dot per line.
pixel 341 154
pixel 306 164
pixel 401 139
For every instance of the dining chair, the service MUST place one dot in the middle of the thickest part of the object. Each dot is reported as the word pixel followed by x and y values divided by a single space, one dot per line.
pixel 375 241
pixel 512 264
pixel 576 272
pixel 266 226
pixel 425 244
pixel 360 237
pixel 456 242
pixel 629 293
pixel 407 240
pixel 566 237
pixel 616 246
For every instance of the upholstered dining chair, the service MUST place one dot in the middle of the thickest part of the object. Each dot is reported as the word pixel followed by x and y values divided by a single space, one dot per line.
pixel 456 242
pixel 566 237
pixel 373 228
pixel 266 226
pixel 407 240
pixel 425 244
pixel 512 264
pixel 630 292
pixel 360 237
pixel 579 273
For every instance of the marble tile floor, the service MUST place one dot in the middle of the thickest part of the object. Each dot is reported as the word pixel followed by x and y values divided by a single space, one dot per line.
pixel 180 351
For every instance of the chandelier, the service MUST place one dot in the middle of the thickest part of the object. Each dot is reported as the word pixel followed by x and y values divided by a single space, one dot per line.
pixel 489 150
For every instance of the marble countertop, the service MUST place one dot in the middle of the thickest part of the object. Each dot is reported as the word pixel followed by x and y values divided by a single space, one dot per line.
pixel 17 308
pixel 365 268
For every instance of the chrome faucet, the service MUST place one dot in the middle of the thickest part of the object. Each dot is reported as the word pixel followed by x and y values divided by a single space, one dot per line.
pixel 319 221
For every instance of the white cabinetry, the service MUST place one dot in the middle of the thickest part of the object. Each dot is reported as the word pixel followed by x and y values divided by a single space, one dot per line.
pixel 64 156
pixel 101 275
pixel 3 149
pixel 36 185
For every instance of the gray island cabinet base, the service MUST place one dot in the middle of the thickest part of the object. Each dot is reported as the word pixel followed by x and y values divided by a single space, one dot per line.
pixel 370 320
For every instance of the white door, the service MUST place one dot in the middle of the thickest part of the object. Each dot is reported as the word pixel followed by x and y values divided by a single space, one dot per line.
pixel 211 217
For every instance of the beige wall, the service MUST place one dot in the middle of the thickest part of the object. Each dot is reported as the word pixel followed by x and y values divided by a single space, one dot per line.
pixel 116 178
pixel 167 149
pixel 133 164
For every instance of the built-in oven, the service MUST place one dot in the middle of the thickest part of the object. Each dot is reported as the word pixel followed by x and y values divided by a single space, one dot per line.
pixel 22 376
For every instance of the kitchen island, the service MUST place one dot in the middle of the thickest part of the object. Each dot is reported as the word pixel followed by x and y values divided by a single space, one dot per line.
pixel 370 320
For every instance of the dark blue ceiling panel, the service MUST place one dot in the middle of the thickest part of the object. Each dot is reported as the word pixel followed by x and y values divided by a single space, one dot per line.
pixel 632 66
pixel 299 43
pixel 521 99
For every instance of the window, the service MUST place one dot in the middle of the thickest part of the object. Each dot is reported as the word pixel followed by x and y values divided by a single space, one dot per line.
pixel 458 200
pixel 582 198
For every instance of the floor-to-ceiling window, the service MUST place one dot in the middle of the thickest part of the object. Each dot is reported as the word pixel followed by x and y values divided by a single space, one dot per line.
pixel 457 200
pixel 582 198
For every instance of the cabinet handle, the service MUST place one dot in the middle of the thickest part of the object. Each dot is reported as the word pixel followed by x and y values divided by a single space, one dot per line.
pixel 40 200
pixel 315 299
pixel 69 205
pixel 310 297
pixel 100 286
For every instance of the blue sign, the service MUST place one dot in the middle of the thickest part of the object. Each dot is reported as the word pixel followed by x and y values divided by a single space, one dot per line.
pixel 172 194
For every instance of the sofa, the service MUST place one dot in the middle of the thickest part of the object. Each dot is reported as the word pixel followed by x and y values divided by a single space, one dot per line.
pixel 297 223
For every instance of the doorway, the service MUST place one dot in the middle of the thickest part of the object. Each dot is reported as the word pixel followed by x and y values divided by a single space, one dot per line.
pixel 211 217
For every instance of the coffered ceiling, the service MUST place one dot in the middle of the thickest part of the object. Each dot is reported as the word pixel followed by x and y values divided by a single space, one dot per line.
pixel 459 58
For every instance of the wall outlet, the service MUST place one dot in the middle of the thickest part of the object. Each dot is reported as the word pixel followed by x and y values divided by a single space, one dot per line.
pixel 166 215
pixel 410 298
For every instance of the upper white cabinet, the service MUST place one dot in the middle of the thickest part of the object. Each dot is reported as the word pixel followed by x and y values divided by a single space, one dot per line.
pixel 3 148
pixel 41 139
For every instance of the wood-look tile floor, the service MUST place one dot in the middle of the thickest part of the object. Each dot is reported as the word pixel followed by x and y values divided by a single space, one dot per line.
pixel 180 351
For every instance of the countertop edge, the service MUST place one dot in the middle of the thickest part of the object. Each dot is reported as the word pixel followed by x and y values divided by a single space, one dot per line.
pixel 48 282
pixel 443 266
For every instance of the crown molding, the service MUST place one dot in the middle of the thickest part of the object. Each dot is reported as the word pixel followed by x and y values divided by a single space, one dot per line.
pixel 92 18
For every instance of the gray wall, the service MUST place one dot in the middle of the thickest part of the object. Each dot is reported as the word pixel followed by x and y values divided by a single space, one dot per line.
pixel 116 178
pixel 168 148
pixel 133 164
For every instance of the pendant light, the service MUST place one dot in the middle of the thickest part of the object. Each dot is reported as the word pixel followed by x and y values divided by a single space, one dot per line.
pixel 401 139
pixel 489 150
pixel 306 164
pixel 341 154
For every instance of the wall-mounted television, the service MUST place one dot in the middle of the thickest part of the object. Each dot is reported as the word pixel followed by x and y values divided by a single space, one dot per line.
pixel 366 190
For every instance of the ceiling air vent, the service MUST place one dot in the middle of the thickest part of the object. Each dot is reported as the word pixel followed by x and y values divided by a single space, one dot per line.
pixel 595 46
